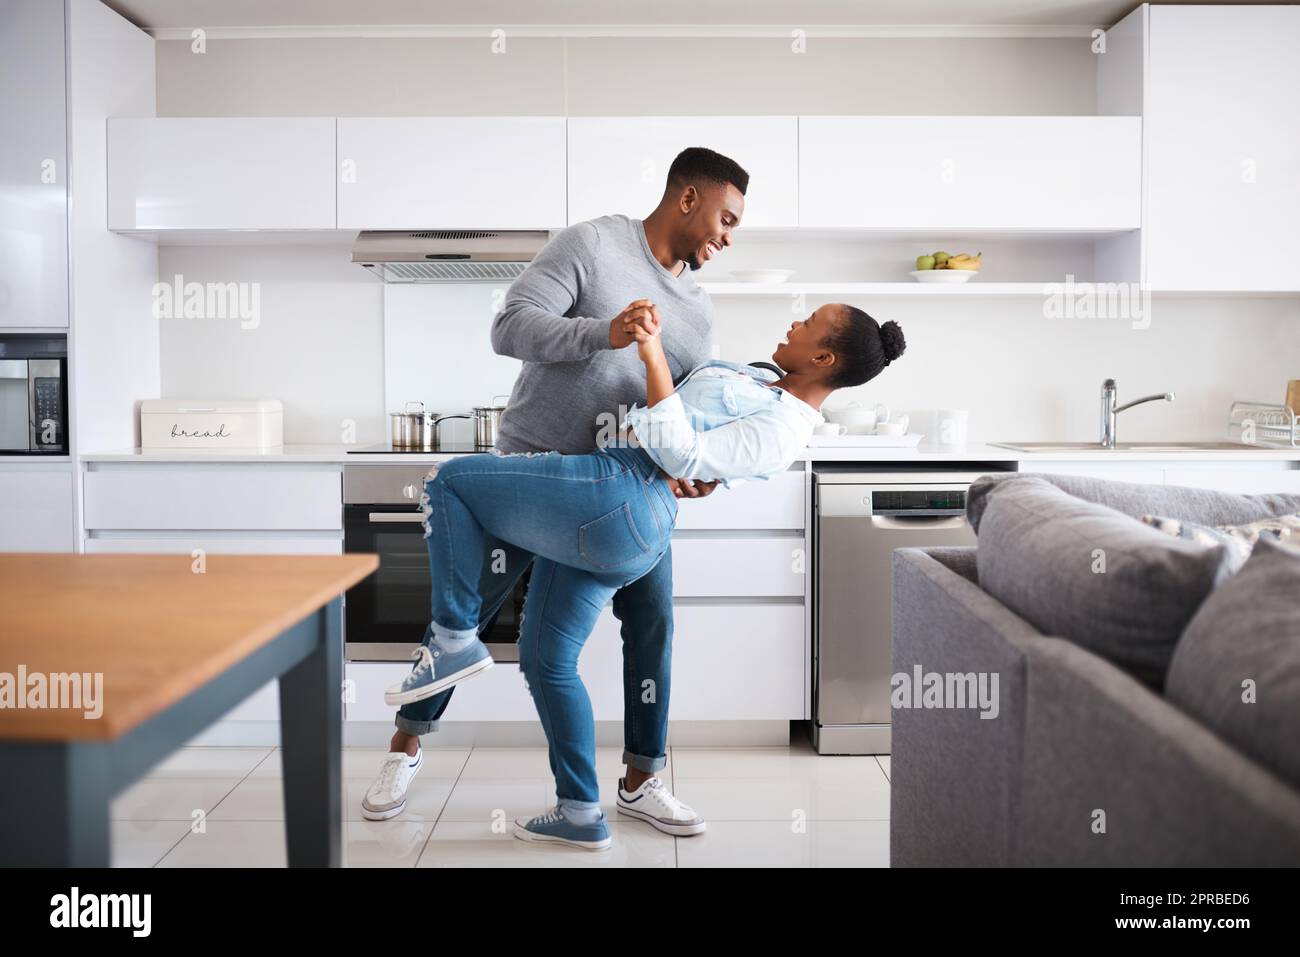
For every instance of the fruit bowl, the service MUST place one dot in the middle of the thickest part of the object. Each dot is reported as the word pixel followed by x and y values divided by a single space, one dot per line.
pixel 943 275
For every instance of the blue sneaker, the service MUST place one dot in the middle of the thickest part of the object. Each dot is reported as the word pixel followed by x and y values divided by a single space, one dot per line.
pixel 554 828
pixel 437 670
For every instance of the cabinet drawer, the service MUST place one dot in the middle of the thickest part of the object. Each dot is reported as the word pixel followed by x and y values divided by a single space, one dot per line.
pixel 184 544
pixel 777 504
pixel 190 498
pixel 1242 481
pixel 739 567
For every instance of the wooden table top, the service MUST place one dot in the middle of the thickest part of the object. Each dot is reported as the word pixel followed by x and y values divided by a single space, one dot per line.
pixel 154 627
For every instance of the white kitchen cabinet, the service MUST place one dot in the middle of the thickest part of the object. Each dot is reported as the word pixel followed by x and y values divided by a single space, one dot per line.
pixel 619 164
pixel 33 166
pixel 757 566
pixel 730 663
pixel 1141 473
pixel 980 172
pixel 1242 481
pixel 777 503
pixel 175 173
pixel 451 172
pixel 212 543
pixel 1222 148
pixel 182 497
pixel 37 509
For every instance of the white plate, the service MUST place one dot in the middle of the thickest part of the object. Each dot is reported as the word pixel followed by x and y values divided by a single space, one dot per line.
pixel 763 275
pixel 943 275
pixel 909 441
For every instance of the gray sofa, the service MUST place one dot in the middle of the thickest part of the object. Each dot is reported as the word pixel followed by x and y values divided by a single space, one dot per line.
pixel 1078 739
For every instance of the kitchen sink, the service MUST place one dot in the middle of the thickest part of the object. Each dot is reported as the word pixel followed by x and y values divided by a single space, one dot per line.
pixel 1128 446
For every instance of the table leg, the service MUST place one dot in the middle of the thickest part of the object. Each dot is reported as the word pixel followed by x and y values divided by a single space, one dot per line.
pixel 311 735
pixel 54 805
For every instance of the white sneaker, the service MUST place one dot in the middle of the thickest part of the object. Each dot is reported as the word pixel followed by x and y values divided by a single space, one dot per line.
pixel 656 805
pixel 387 796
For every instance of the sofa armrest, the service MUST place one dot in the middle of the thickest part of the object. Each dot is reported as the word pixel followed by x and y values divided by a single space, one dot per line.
pixel 953 774
pixel 957 558
pixel 1173 793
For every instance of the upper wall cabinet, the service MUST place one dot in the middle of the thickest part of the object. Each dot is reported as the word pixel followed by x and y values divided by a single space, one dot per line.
pixel 452 172
pixel 221 173
pixel 1223 148
pixel 994 172
pixel 33 169
pixel 619 164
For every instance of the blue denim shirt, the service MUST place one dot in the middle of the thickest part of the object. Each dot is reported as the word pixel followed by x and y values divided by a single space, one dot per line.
pixel 725 422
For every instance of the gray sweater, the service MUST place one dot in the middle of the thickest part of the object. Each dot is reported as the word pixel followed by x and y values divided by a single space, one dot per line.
pixel 556 319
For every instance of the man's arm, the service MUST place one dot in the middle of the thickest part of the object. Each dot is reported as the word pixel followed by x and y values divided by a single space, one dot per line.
pixel 532 324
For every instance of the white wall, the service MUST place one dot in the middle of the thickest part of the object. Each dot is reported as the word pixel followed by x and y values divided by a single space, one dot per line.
pixel 317 344
pixel 415 77
pixel 1022 376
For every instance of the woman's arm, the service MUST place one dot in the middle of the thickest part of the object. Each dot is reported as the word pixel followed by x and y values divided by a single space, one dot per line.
pixel 754 446
pixel 649 346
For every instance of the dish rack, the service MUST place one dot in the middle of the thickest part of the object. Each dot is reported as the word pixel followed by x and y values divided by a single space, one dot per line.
pixel 1273 424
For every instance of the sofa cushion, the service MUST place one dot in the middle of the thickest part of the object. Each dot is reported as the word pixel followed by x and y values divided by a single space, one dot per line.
pixel 1248 631
pixel 1238 539
pixel 1093 575
pixel 1206 506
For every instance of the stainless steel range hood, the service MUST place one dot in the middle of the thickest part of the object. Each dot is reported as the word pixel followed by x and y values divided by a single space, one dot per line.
pixel 447 255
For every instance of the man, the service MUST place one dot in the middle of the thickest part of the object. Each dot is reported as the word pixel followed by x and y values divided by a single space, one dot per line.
pixel 568 318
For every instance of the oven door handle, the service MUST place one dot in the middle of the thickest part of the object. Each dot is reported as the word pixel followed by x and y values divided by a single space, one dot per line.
pixel 397 516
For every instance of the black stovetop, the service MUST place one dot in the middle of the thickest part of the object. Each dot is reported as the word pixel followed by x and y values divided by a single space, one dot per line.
pixel 447 448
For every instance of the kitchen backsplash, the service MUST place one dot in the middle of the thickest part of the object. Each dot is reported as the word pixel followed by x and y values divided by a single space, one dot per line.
pixel 319 346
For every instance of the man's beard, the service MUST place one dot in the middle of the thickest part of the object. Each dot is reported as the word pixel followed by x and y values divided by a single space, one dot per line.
pixel 693 262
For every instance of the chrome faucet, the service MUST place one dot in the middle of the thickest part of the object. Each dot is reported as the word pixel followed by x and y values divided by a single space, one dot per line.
pixel 1109 409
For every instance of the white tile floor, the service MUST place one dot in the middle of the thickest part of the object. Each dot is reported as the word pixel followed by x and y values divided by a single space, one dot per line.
pixel 785 807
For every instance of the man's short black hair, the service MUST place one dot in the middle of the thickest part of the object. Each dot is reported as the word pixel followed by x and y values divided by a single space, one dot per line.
pixel 697 162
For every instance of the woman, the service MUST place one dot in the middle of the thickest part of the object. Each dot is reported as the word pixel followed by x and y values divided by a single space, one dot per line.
pixel 598 521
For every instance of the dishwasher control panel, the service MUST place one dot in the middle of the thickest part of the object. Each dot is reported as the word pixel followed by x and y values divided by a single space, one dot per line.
pixel 917 502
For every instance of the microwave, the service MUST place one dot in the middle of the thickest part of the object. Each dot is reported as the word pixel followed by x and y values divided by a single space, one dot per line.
pixel 33 395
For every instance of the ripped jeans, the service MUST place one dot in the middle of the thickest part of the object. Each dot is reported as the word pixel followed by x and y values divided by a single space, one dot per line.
pixel 594 523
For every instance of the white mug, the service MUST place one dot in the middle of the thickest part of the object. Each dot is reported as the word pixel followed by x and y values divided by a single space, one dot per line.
pixel 829 428
pixel 896 427
pixel 950 428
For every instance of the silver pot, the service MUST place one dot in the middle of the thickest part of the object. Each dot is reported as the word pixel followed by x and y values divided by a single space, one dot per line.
pixel 487 423
pixel 417 430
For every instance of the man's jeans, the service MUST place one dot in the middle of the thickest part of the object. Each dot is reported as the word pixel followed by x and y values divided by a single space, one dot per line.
pixel 570 516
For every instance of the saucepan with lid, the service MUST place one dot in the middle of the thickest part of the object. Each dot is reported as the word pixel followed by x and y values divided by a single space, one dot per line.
pixel 487 423
pixel 417 429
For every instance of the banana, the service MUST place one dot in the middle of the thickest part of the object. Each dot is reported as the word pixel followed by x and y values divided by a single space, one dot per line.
pixel 963 261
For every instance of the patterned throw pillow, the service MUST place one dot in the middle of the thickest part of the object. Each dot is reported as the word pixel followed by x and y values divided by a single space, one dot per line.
pixel 1238 539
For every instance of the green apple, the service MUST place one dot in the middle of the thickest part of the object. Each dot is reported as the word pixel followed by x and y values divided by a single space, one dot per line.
pixel 924 262
pixel 940 260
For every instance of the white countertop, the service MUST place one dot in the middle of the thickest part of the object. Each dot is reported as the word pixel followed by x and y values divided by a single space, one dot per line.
pixel 974 452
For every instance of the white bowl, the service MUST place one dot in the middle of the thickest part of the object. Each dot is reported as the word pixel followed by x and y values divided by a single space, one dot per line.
pixel 763 275
pixel 943 275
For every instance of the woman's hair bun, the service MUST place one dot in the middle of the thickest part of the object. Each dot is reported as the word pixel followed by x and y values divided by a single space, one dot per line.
pixel 891 340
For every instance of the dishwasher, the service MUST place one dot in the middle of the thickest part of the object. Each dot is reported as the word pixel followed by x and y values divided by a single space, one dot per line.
pixel 861 517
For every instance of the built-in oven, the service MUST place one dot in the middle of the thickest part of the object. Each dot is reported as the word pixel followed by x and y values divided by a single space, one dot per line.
pixel 33 394
pixel 386 614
